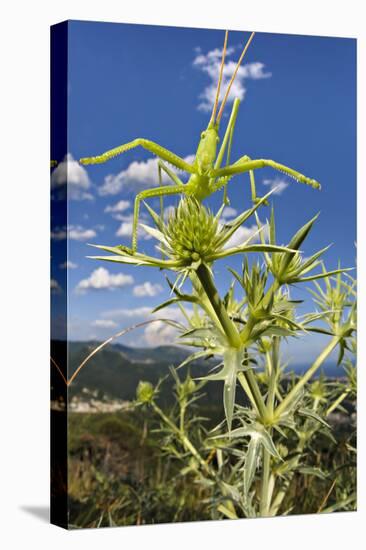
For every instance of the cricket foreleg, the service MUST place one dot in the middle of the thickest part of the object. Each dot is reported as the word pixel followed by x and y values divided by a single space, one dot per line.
pixel 228 134
pixel 147 194
pixel 162 167
pixel 151 146
pixel 228 155
pixel 175 179
pixel 245 165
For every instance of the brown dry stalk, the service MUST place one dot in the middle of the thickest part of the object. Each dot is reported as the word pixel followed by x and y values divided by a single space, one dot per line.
pixel 101 346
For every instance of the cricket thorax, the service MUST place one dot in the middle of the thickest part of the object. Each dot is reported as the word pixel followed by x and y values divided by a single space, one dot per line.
pixel 206 151
pixel 199 187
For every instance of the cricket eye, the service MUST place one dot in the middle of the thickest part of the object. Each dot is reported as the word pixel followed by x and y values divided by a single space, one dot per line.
pixel 203 135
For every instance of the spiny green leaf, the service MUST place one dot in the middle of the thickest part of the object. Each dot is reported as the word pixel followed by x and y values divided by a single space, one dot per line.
pixel 249 248
pixel 159 222
pixel 153 232
pixel 230 228
pixel 302 233
pixel 267 442
pixel 250 465
pixel 324 275
pixel 194 356
pixel 310 471
pixel 313 415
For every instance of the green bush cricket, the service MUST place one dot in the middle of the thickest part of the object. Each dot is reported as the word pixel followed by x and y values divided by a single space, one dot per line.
pixel 206 173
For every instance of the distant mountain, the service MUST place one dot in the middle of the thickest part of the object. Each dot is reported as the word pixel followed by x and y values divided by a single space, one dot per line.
pixel 116 370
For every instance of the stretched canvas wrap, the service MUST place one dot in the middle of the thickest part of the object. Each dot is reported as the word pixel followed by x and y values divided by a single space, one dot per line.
pixel 203 198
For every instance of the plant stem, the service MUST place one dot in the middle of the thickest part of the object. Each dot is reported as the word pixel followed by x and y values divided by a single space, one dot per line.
pixel 192 449
pixel 231 331
pixel 277 501
pixel 265 497
pixel 273 367
pixel 337 402
pixel 184 439
pixel 226 323
pixel 309 373
pixel 181 417
pixel 244 384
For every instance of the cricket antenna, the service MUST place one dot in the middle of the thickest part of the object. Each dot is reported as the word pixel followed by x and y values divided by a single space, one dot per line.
pixel 233 77
pixel 213 116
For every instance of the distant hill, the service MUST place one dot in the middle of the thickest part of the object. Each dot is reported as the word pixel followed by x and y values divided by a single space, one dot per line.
pixel 116 370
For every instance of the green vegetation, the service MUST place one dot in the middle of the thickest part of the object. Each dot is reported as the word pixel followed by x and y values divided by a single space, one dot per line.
pixel 126 468
pixel 275 452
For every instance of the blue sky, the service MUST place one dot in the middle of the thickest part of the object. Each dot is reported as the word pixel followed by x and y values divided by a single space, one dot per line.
pixel 126 81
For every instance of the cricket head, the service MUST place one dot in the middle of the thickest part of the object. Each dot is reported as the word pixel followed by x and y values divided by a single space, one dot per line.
pixel 207 147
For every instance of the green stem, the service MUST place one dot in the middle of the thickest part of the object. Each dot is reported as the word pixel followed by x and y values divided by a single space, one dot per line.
pixel 273 368
pixel 192 449
pixel 244 384
pixel 181 417
pixel 231 331
pixel 184 439
pixel 337 402
pixel 226 323
pixel 311 371
pixel 265 493
pixel 277 501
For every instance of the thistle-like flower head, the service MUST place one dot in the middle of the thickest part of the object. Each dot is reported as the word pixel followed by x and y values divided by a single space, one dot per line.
pixel 192 233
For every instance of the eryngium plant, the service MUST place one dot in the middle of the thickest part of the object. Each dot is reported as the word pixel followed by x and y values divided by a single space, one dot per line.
pixel 250 463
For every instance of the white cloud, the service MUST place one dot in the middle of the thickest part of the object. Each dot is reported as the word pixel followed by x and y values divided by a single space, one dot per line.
pixel 159 334
pixel 68 265
pixel 155 334
pixel 101 279
pixel 125 230
pixel 78 233
pixel 277 183
pixel 55 287
pixel 104 323
pixel 209 63
pixel 71 178
pixel 244 233
pixel 73 232
pixel 229 212
pixel 137 176
pixel 120 206
pixel 147 289
pixel 127 313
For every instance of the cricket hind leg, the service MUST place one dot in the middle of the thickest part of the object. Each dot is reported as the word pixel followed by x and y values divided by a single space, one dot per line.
pixel 244 165
pixel 253 189
pixel 226 199
pixel 223 181
pixel 151 146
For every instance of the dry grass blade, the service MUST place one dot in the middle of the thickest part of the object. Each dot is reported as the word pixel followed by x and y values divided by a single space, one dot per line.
pixel 103 344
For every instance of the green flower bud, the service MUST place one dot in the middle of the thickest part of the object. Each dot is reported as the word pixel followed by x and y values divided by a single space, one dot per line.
pixel 145 392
